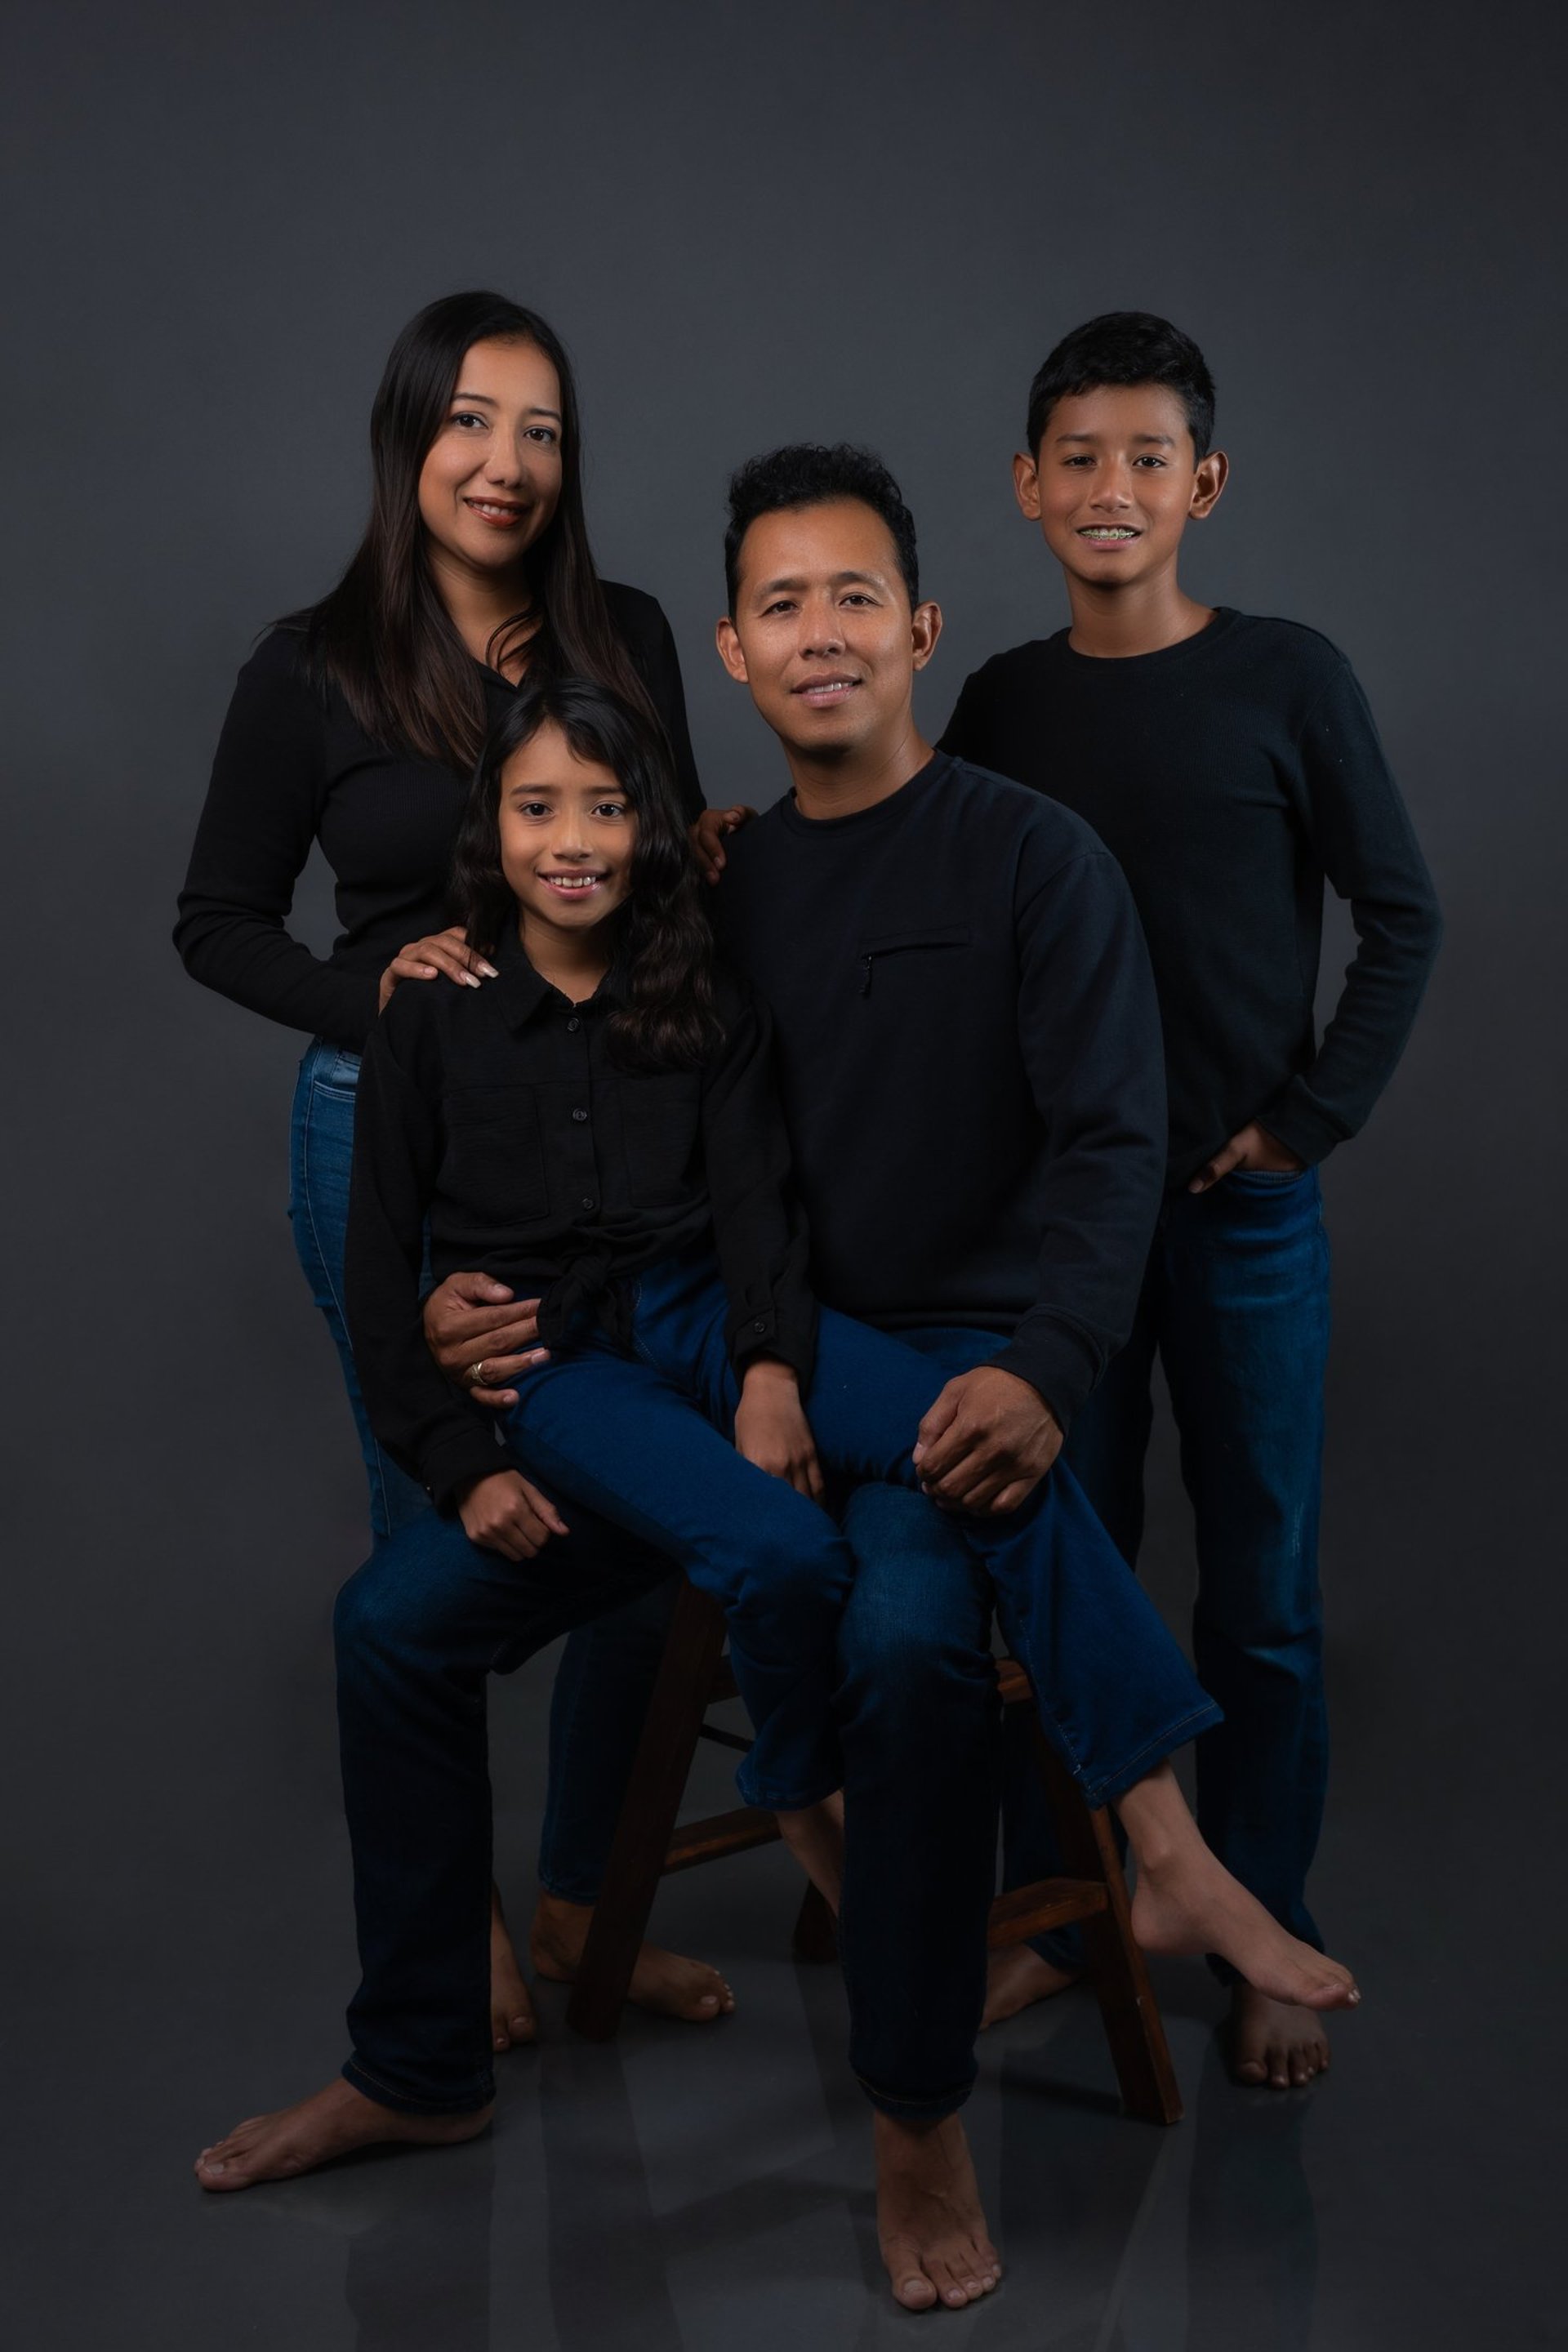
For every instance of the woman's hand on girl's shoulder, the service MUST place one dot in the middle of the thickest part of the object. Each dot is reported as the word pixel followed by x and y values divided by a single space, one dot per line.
pixel 772 1429
pixel 506 1513
pixel 708 836
pixel 443 954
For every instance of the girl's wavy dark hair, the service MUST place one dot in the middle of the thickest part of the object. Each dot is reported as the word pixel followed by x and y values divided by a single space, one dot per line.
pixel 383 635
pixel 664 946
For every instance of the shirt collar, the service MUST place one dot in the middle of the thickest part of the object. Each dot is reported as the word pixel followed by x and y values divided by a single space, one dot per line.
pixel 524 991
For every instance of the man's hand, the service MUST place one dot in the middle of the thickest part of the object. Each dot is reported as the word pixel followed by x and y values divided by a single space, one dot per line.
pixel 772 1429
pixel 708 836
pixel 1250 1147
pixel 987 1441
pixel 504 1513
pixel 446 952
pixel 472 1323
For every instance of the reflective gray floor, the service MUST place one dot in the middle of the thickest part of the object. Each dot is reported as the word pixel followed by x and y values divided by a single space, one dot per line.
pixel 693 2188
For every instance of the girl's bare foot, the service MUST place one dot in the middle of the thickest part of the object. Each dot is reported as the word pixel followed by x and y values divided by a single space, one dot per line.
pixel 512 2022
pixel 334 2123
pixel 929 2224
pixel 1015 1978
pixel 664 1982
pixel 1275 2041
pixel 1186 1901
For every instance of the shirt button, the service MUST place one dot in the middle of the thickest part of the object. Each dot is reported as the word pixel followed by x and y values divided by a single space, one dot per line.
pixel 579 1114
pixel 573 1025
pixel 588 1201
pixel 759 1325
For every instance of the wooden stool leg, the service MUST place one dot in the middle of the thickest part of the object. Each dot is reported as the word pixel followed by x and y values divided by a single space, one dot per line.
pixel 1134 2028
pixel 692 1650
pixel 815 1938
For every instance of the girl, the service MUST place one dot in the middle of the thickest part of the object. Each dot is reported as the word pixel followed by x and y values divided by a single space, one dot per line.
pixel 600 1124
pixel 356 724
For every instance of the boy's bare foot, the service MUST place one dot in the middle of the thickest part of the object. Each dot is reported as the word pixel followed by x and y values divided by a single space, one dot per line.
pixel 334 2123
pixel 1275 2041
pixel 1015 1978
pixel 1186 1901
pixel 666 1982
pixel 512 2022
pixel 930 2225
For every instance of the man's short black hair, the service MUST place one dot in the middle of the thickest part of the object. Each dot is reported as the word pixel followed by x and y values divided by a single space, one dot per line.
pixel 807 474
pixel 1125 347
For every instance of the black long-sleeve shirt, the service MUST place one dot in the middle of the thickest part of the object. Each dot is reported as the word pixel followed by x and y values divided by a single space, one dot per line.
pixel 1230 775
pixel 969 1055
pixel 501 1116
pixel 293 767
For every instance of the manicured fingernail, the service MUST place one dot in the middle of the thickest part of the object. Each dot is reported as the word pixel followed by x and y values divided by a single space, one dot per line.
pixel 490 971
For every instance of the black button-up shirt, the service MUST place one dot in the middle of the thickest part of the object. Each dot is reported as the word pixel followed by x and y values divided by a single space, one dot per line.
pixel 501 1115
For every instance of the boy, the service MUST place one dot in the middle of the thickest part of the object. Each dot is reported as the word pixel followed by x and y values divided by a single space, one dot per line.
pixel 1232 767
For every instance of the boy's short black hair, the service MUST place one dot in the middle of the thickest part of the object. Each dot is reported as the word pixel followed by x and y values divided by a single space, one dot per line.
pixel 808 474
pixel 1125 347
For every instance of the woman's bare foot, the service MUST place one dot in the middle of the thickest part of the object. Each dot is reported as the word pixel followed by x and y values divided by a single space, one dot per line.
pixel 1275 2041
pixel 929 2224
pixel 512 2022
pixel 1015 1978
pixel 334 2123
pixel 1186 1901
pixel 815 1836
pixel 664 1982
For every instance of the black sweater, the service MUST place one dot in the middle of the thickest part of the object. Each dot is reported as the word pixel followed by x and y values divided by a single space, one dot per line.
pixel 501 1116
pixel 1229 775
pixel 969 1055
pixel 293 767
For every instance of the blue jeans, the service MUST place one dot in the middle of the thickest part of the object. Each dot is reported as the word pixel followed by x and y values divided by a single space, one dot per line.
pixel 606 1671
pixel 644 1439
pixel 1235 1306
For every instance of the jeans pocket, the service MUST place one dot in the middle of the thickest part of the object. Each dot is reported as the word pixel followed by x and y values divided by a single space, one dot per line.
pixel 1268 1178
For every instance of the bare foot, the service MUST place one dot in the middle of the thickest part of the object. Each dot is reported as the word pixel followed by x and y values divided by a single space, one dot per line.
pixel 1275 2041
pixel 334 2122
pixel 1186 1901
pixel 930 2225
pixel 1015 1978
pixel 512 2022
pixel 664 1982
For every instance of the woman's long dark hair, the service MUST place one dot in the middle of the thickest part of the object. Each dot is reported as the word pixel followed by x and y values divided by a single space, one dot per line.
pixel 384 635
pixel 664 946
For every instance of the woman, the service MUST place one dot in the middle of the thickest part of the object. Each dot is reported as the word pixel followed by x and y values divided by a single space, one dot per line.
pixel 355 724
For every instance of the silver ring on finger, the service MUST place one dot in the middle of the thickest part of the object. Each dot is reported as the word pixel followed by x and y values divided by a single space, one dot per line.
pixel 474 1378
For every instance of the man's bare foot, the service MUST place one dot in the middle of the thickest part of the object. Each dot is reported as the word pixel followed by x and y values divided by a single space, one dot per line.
pixel 664 1982
pixel 1015 1978
pixel 930 2225
pixel 334 2123
pixel 512 2022
pixel 1186 1901
pixel 1275 2041
pixel 816 1837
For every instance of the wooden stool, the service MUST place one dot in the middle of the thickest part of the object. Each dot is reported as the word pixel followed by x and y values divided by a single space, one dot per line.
pixel 650 1841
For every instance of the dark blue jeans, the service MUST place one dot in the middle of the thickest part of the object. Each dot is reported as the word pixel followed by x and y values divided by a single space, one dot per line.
pixel 1235 1306
pixel 607 1668
pixel 643 1438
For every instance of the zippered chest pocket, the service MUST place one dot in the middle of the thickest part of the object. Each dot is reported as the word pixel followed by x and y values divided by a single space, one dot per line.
pixel 919 956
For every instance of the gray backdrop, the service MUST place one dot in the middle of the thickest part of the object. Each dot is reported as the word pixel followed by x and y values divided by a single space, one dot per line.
pixel 749 224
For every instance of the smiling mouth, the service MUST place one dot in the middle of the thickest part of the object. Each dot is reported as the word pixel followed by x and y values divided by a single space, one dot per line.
pixel 1109 535
pixel 822 693
pixel 497 512
pixel 571 885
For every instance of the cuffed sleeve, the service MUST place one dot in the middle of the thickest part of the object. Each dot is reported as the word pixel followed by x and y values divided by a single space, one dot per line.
pixel 430 1431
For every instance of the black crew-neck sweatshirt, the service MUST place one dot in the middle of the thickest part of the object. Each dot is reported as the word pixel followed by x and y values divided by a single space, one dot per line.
pixel 969 1056
pixel 293 767
pixel 1231 775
